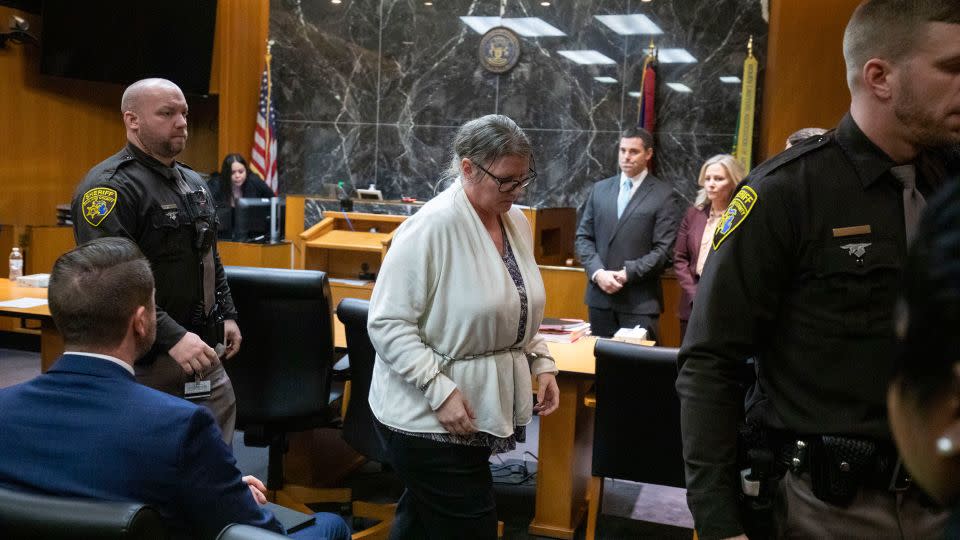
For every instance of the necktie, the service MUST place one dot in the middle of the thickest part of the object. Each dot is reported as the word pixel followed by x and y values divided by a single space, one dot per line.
pixel 913 201
pixel 625 188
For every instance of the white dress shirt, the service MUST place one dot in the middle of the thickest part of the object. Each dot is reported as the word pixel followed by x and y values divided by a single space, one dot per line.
pixel 106 357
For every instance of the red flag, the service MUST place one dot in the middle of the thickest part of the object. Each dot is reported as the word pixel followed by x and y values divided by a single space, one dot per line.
pixel 647 114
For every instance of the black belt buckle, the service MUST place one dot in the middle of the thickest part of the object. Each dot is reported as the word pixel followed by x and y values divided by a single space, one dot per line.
pixel 900 480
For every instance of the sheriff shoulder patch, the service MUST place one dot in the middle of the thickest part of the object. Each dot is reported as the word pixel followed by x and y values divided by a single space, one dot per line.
pixel 737 211
pixel 97 204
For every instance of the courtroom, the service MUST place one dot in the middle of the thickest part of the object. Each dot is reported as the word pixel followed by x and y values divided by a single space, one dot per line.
pixel 485 269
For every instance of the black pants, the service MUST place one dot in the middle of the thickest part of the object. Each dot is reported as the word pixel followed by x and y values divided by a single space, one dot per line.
pixel 606 322
pixel 449 489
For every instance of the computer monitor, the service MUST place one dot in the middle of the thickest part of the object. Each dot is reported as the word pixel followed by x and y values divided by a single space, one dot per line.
pixel 252 221
pixel 225 227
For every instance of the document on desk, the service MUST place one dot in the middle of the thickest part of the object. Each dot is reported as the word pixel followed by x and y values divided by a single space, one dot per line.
pixel 24 303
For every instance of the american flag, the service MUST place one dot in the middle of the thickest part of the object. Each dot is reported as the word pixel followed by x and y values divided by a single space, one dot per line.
pixel 264 153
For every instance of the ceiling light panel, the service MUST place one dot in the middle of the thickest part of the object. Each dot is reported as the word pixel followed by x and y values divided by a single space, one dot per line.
pixel 587 57
pixel 675 56
pixel 630 25
pixel 525 26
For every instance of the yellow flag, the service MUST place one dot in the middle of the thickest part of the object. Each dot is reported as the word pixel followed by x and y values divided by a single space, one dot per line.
pixel 748 96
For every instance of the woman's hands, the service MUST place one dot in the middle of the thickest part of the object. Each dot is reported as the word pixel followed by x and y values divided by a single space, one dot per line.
pixel 548 394
pixel 456 416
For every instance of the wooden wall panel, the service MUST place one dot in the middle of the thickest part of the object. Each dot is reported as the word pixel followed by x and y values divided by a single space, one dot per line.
pixel 45 244
pixel 805 82
pixel 242 29
pixel 56 129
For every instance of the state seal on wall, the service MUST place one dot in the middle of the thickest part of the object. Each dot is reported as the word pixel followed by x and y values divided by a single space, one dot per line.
pixel 499 50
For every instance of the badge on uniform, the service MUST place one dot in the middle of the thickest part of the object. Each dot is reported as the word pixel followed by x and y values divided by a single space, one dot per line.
pixel 736 212
pixel 171 211
pixel 857 250
pixel 197 389
pixel 97 203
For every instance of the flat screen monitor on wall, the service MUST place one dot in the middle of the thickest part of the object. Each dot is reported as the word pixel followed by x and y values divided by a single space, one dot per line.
pixel 121 41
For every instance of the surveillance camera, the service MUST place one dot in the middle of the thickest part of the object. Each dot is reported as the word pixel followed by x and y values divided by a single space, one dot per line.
pixel 18 33
pixel 19 23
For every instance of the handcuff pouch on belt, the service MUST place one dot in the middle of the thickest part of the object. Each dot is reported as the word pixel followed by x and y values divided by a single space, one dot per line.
pixel 838 466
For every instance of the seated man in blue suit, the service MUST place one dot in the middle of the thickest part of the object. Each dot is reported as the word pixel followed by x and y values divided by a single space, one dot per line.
pixel 86 428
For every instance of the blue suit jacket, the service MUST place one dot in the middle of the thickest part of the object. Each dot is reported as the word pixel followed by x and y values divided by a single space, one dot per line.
pixel 86 428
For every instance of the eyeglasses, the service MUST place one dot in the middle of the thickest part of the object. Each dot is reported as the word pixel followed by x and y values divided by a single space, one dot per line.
pixel 506 185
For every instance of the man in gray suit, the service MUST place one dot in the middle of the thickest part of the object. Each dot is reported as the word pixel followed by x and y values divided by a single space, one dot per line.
pixel 626 233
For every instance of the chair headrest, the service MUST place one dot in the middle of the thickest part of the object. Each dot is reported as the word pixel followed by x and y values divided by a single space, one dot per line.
pixel 618 349
pixel 28 515
pixel 353 311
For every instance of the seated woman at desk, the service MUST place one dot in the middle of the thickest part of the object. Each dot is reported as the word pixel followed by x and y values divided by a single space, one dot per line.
pixel 454 318
pixel 237 181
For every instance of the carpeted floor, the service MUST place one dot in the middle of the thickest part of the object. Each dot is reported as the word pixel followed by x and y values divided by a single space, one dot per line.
pixel 630 510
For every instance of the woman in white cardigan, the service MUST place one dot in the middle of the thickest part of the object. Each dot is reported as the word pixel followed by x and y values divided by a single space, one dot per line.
pixel 454 318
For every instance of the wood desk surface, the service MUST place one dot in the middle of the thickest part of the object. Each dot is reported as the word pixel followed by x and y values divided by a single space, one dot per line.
pixel 350 241
pixel 576 357
pixel 10 291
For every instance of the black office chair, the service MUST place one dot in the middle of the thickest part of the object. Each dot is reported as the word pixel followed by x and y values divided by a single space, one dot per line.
pixel 359 429
pixel 30 516
pixel 282 373
pixel 634 383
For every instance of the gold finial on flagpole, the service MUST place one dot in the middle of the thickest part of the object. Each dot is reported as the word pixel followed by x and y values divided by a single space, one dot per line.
pixel 652 47
pixel 750 47
pixel 269 55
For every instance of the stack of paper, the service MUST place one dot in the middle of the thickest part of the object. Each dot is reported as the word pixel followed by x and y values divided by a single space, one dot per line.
pixel 563 330
pixel 33 280
pixel 632 335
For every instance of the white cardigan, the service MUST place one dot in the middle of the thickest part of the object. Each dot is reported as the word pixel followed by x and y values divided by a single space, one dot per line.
pixel 443 288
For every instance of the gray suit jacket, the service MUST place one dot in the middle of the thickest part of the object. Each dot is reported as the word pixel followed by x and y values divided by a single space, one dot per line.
pixel 640 241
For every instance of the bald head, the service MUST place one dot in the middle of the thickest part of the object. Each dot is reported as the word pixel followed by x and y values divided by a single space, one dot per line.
pixel 133 95
pixel 155 115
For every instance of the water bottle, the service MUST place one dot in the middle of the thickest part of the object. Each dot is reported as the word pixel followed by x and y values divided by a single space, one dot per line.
pixel 16 264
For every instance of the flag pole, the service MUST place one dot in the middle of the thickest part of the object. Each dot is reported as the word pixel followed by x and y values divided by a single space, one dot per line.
pixel 267 147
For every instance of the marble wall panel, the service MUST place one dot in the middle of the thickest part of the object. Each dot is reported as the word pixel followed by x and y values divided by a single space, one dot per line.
pixel 372 91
